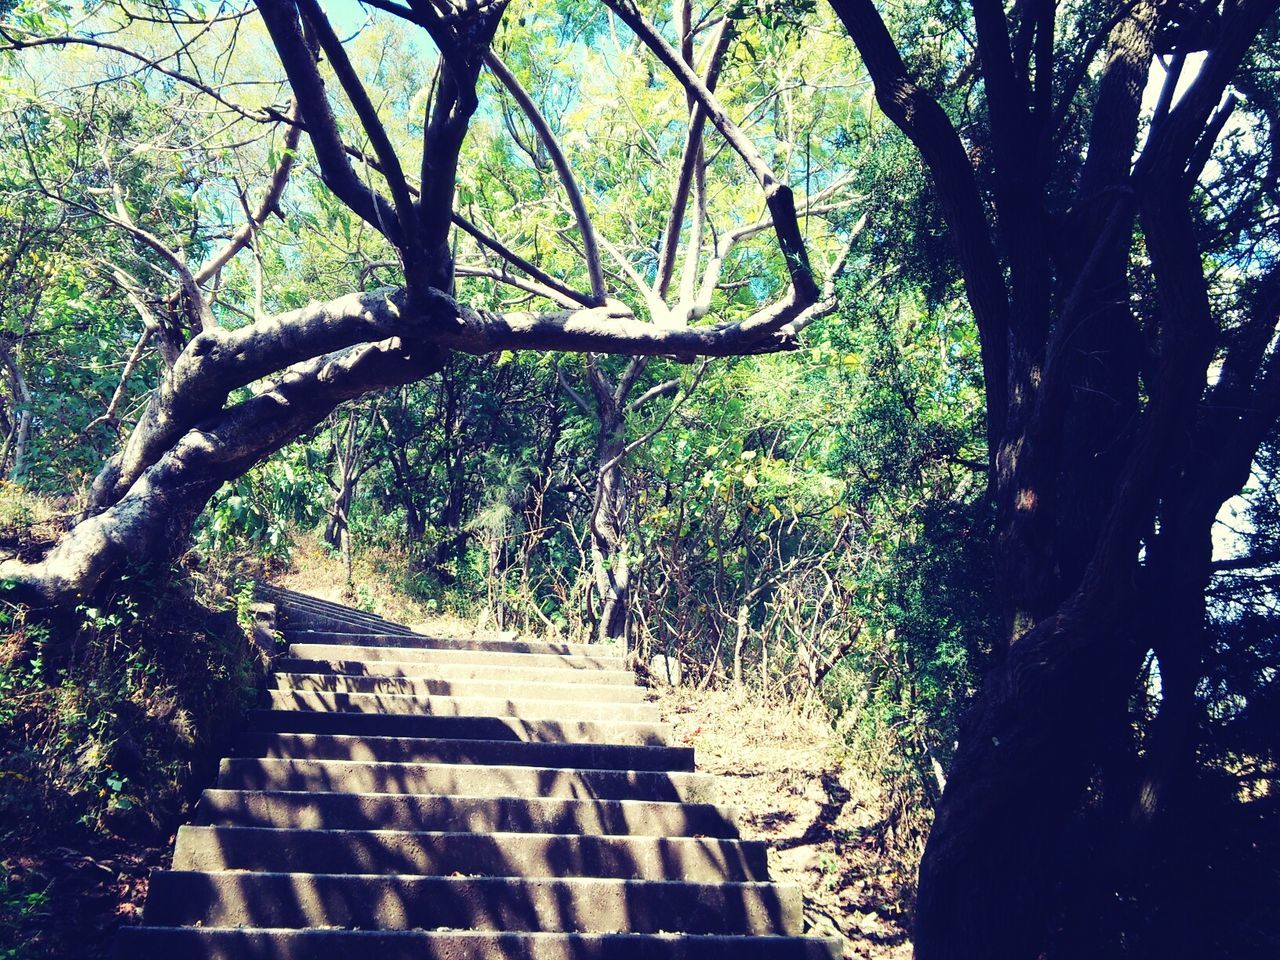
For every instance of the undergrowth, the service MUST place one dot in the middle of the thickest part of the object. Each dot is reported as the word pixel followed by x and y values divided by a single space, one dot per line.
pixel 383 582
pixel 112 718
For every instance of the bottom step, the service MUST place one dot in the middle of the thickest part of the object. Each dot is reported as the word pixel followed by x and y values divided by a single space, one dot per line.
pixel 212 943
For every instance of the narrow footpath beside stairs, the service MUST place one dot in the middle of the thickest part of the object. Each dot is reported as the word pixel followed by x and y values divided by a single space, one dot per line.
pixel 409 796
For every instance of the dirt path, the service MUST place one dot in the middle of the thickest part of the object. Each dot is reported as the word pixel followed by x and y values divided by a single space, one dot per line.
pixel 785 774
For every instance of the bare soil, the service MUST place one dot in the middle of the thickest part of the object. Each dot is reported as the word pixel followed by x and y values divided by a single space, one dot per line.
pixel 68 901
pixel 821 816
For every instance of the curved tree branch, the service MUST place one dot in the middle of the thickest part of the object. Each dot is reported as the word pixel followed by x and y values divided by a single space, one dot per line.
pixel 158 509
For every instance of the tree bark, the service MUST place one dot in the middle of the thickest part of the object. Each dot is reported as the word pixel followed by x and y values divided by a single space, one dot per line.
pixel 19 435
pixel 1103 510
pixel 152 521
pixel 1026 749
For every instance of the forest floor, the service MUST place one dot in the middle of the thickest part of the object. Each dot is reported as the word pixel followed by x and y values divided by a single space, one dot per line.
pixel 785 773
pixel 64 902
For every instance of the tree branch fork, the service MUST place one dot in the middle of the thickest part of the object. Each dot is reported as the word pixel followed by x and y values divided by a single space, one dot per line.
pixel 326 352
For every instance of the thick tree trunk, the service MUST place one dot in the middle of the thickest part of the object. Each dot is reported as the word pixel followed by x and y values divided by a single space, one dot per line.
pixel 1026 751
pixel 1091 406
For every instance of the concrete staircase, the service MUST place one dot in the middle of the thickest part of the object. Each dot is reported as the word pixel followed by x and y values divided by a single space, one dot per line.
pixel 409 796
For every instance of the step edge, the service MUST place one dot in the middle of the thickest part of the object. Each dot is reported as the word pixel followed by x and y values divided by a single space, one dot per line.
pixel 770 886
pixel 603 838
pixel 503 767
pixel 532 744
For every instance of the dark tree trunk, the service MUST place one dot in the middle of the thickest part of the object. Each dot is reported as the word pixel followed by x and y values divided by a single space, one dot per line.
pixel 1108 462
pixel 1026 750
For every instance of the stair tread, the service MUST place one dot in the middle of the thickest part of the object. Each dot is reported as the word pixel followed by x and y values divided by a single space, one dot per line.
pixel 427 641
pixel 587 904
pixel 461 705
pixel 421 669
pixel 358 653
pixel 550 814
pixel 595 755
pixel 443 686
pixel 462 727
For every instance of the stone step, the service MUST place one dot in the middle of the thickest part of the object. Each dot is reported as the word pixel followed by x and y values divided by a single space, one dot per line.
pixel 369 638
pixel 571 905
pixel 461 798
pixel 593 756
pixel 518 675
pixel 346 651
pixel 425 812
pixel 395 703
pixel 211 943
pixel 252 773
pixel 336 683
pixel 291 600
pixel 487 854
pixel 305 616
pixel 459 728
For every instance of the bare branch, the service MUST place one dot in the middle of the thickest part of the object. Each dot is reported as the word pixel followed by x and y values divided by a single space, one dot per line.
pixel 777 195
pixel 528 286
pixel 664 389
pixel 692 156
pixel 281 19
pixel 639 442
pixel 152 63
pixel 579 400
pixel 368 114
pixel 111 414
pixel 614 329
pixel 591 252
pixel 270 203
pixel 520 262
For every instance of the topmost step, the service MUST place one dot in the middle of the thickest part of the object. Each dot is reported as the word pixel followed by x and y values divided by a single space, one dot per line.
pixel 312 620
pixel 423 641
pixel 303 610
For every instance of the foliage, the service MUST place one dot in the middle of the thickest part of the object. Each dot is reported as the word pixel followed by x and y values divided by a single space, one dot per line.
pixel 255 513
pixel 110 715
pixel 102 718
